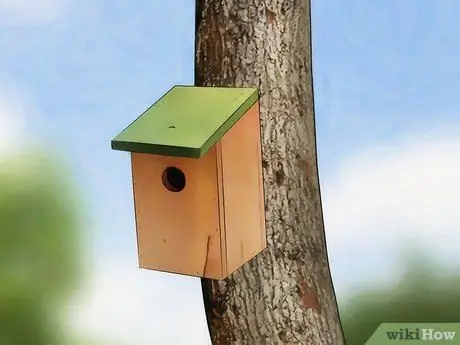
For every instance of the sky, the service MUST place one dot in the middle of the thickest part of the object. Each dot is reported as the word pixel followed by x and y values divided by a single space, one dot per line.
pixel 387 80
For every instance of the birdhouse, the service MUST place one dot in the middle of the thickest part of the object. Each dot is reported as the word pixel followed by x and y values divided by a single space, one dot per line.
pixel 197 180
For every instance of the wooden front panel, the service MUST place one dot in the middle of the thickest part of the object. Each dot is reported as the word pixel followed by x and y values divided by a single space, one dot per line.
pixel 243 195
pixel 178 231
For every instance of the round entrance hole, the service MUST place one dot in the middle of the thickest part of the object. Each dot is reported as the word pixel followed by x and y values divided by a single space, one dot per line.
pixel 173 179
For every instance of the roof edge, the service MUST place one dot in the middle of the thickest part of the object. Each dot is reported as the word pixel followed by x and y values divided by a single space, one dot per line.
pixel 154 149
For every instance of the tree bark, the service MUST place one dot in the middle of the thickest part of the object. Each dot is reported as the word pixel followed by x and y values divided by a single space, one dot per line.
pixel 285 295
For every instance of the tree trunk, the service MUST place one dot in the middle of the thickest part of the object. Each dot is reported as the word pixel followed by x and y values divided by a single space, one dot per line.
pixel 285 295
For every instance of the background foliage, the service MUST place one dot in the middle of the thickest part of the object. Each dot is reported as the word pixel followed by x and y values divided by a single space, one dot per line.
pixel 425 293
pixel 39 249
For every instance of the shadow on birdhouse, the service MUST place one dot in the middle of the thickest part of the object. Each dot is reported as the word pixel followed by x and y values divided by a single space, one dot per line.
pixel 197 180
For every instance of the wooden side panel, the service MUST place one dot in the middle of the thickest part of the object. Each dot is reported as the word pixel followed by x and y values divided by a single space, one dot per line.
pixel 220 185
pixel 243 190
pixel 178 232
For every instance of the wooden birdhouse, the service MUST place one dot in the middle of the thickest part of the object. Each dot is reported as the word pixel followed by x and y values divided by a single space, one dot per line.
pixel 197 180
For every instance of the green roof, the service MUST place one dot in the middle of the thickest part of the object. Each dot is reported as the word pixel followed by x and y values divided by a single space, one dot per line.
pixel 187 121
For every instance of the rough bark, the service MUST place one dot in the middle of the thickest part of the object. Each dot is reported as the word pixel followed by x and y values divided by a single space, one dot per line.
pixel 285 295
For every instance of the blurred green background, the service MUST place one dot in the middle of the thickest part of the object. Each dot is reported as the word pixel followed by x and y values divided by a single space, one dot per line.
pixel 40 247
